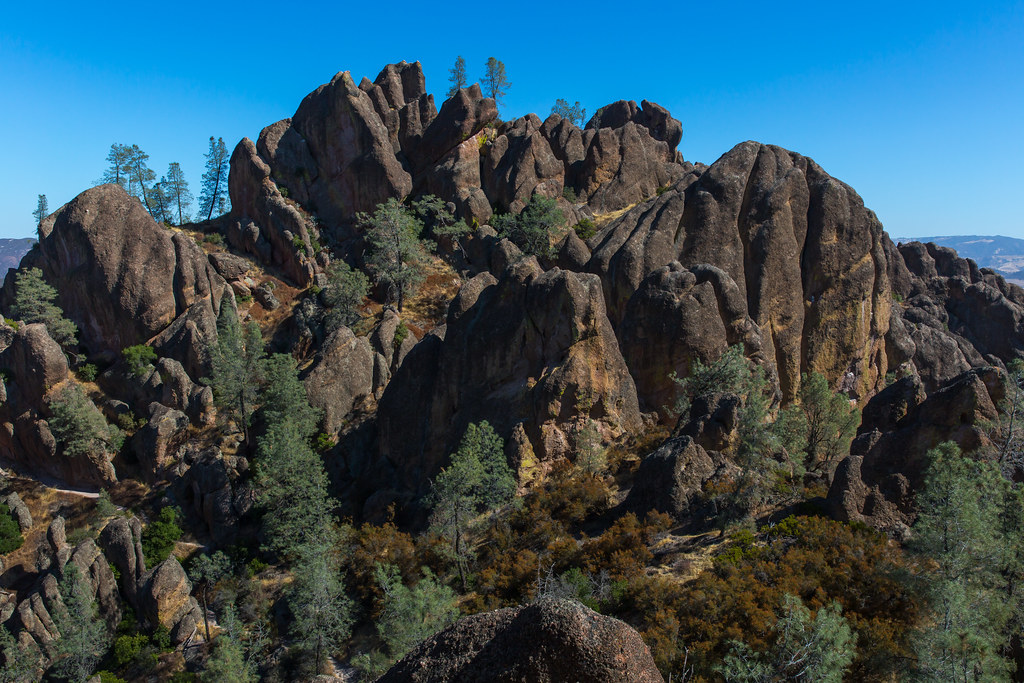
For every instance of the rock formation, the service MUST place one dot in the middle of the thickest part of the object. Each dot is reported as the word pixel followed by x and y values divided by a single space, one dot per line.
pixel 549 641
pixel 119 276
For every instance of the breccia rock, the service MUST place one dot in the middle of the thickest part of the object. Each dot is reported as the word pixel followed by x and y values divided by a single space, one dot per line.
pixel 549 641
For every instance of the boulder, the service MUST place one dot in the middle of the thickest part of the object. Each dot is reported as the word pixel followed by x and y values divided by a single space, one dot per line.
pixel 546 642
pixel 256 201
pixel 671 480
pixel 35 364
pixel 876 483
pixel 166 600
pixel 341 376
pixel 19 511
pixel 120 276
pixel 158 444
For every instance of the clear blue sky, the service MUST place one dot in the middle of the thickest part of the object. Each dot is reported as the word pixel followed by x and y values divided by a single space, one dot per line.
pixel 918 106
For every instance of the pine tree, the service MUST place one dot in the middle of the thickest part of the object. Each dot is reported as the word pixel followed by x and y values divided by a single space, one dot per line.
pixel 160 202
pixel 206 570
pixel 213 196
pixel 235 365
pixel 344 294
pixel 457 76
pixel 394 251
pixel 283 398
pixel 575 113
pixel 77 424
pixel 958 534
pixel 19 664
pixel 83 635
pixel 119 158
pixel 33 303
pixel 478 478
pixel 140 176
pixel 180 198
pixel 531 229
pixel 228 663
pixel 409 615
pixel 42 209
pixel 322 610
pixel 816 648
pixel 496 85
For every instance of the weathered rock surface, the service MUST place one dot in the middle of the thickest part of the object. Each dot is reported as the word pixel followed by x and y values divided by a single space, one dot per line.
pixel 547 642
pixel 262 223
pixel 534 347
pixel 877 482
pixel 37 369
pixel 671 480
pixel 676 317
pixel 342 374
pixel 119 276
pixel 806 253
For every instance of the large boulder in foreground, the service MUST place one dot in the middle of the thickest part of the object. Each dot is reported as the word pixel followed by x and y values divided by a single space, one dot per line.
pixel 547 642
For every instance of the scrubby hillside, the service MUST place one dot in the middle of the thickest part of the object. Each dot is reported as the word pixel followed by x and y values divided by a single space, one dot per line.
pixel 434 364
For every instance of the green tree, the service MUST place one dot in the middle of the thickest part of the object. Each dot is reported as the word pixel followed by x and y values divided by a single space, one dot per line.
pixel 160 536
pixel 33 303
pixel 78 425
pixel 214 191
pixel 10 531
pixel 322 611
pixel 441 221
pixel 344 294
pixel 160 202
pixel 531 229
pixel 117 172
pixel 179 196
pixel 139 359
pixel 205 571
pixel 19 664
pixel 83 634
pixel 959 534
pixel 228 663
pixel 477 479
pixel 457 76
pixel 575 113
pixel 235 365
pixel 410 615
pixel 816 648
pixel 495 83
pixel 819 426
pixel 395 254
pixel 140 177
pixel 283 398
pixel 42 209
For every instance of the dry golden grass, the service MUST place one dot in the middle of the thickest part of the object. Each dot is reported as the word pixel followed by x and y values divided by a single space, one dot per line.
pixel 427 308
pixel 603 219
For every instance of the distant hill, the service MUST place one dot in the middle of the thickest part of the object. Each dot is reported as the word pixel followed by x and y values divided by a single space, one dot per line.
pixel 11 251
pixel 1003 254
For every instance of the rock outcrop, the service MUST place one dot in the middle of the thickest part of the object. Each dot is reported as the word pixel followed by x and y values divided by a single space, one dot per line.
pixel 547 642
pixel 877 482
pixel 119 276
pixel 36 370
pixel 349 148
pixel 534 347
pixel 806 253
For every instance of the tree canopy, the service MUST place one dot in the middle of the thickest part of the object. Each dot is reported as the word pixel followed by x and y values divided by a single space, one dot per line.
pixel 457 76
pixel 575 112
pixel 496 84
pixel 33 303
pixel 214 193
pixel 395 253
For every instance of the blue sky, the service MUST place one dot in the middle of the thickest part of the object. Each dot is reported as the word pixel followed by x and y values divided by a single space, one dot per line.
pixel 918 106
